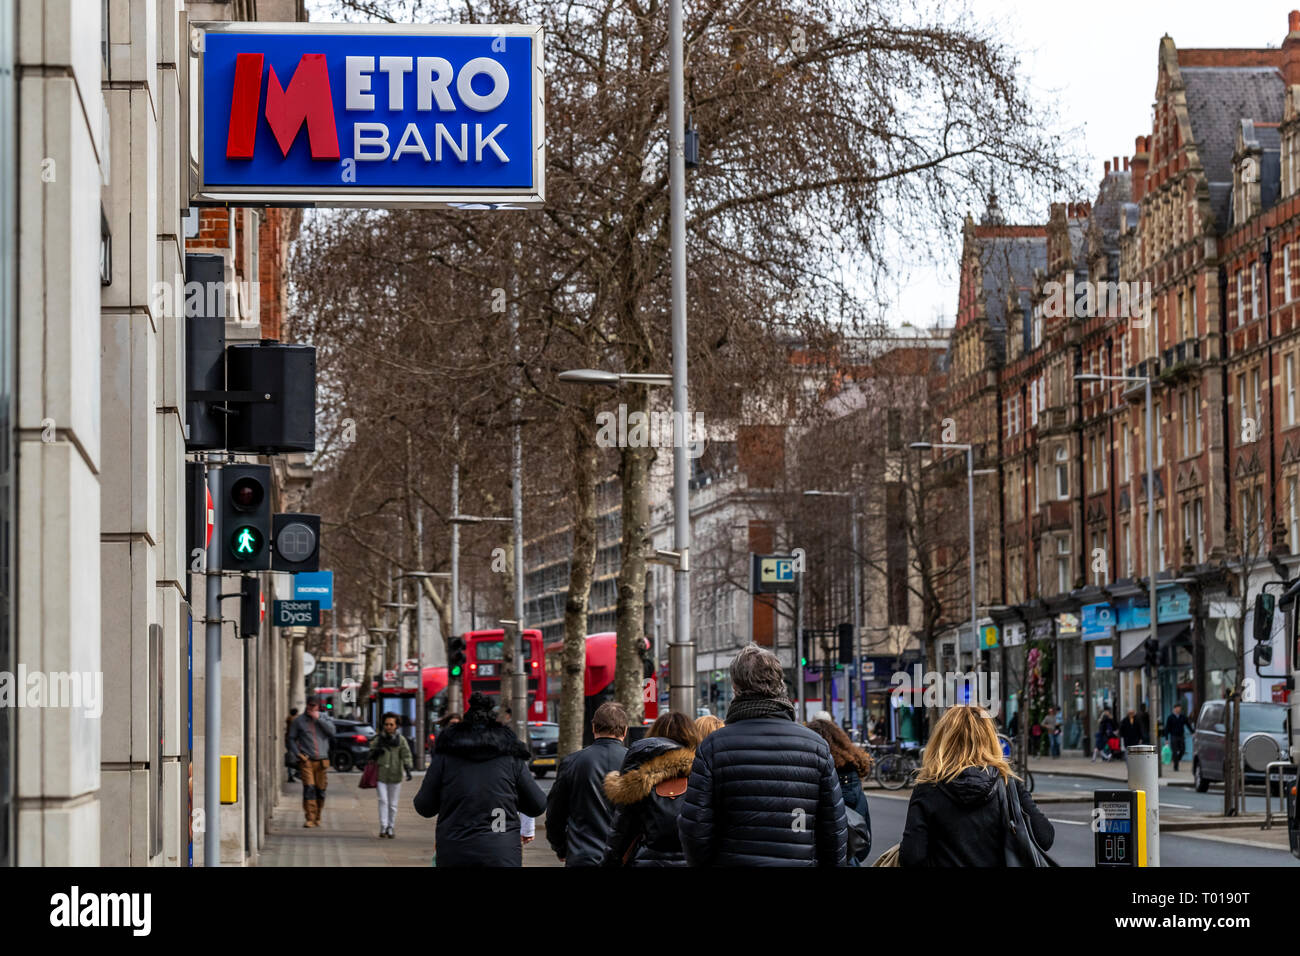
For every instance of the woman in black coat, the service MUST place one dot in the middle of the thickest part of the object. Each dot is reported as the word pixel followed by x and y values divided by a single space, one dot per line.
pixel 477 785
pixel 851 766
pixel 647 795
pixel 958 812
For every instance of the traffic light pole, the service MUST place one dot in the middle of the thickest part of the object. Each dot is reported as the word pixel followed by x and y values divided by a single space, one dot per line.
pixel 212 676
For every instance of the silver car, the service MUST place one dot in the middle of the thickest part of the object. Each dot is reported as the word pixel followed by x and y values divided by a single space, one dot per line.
pixel 1208 739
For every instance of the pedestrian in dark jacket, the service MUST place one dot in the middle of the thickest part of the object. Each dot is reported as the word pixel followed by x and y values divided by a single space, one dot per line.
pixel 1175 726
pixel 477 785
pixel 309 742
pixel 763 789
pixel 958 812
pixel 647 795
pixel 1130 730
pixel 578 813
pixel 852 765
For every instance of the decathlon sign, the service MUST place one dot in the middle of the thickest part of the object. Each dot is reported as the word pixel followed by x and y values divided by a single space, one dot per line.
pixel 337 114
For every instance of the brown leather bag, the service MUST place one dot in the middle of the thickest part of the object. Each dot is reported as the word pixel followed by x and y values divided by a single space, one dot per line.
pixel 672 789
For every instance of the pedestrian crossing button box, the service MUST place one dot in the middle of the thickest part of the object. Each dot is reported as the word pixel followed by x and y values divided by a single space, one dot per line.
pixel 1119 828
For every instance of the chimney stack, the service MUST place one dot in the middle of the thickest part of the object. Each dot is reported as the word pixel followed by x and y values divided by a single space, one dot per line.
pixel 1107 165
pixel 1125 164
pixel 1141 157
pixel 1291 50
pixel 1114 164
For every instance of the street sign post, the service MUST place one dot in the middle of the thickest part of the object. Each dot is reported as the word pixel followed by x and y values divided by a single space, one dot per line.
pixel 773 574
pixel 297 613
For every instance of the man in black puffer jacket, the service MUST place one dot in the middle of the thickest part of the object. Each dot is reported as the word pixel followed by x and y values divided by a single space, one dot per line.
pixel 578 813
pixel 763 789
pixel 477 785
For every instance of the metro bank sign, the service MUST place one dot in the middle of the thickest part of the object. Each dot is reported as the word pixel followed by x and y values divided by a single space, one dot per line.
pixel 368 114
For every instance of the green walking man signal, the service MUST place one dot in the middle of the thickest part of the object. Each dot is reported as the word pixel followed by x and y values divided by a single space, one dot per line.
pixel 247 542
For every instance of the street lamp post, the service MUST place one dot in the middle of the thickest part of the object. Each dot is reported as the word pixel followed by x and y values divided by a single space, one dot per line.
pixel 857 602
pixel 1151 532
pixel 455 701
pixel 421 704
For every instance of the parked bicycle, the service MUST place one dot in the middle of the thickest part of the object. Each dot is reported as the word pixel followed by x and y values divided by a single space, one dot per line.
pixel 895 766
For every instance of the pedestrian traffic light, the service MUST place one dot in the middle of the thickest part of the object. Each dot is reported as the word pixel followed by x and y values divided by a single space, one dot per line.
pixel 1151 651
pixel 803 649
pixel 246 517
pixel 456 656
pixel 250 606
pixel 273 398
pixel 845 634
pixel 295 542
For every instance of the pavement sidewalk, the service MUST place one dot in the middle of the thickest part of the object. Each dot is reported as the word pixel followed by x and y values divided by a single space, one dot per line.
pixel 349 830
pixel 1115 769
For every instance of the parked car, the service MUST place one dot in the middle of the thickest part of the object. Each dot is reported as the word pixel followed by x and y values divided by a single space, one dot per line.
pixel 351 744
pixel 543 741
pixel 1208 739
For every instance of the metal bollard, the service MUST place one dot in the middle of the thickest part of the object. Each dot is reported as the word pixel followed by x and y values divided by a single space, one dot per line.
pixel 1143 763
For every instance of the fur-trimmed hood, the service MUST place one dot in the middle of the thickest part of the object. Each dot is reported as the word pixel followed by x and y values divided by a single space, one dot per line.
pixel 649 762
pixel 477 741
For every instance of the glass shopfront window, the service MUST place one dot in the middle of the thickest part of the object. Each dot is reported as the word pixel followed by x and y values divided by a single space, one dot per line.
pixel 1073 700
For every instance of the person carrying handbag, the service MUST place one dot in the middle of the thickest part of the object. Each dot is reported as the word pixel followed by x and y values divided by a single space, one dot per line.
pixel 852 764
pixel 646 795
pixel 391 755
pixel 968 808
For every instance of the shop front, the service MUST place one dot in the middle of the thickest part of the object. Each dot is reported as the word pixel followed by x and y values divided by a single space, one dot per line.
pixel 1072 679
pixel 1097 624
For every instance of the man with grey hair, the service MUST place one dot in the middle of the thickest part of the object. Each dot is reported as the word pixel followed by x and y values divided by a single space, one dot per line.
pixel 763 790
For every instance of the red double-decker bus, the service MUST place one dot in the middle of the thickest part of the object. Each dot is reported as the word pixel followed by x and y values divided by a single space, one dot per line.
pixel 483 664
pixel 597 680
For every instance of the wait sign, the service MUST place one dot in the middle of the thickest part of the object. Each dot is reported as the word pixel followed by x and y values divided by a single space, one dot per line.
pixel 367 114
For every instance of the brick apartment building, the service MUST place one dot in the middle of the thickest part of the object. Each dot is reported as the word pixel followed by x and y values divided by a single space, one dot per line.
pixel 1205 218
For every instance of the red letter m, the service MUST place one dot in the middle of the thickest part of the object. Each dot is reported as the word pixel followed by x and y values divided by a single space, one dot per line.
pixel 307 100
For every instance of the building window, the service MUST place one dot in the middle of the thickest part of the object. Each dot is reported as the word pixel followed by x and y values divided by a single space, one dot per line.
pixel 1261 529
pixel 1241 300
pixel 1127 533
pixel 1254 290
pixel 1196 410
pixel 1185 423
pixel 1062 473
pixel 1243 408
pixel 1292 514
pixel 1063 580
pixel 1124 436
pixel 1160 538
pixel 1156 419
pixel 1257 406
pixel 895 426
pixel 1194 528
pixel 1286 273
pixel 1290 388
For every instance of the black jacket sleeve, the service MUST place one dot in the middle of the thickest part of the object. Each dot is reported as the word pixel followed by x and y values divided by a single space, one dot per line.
pixel 915 847
pixel 532 801
pixel 625 829
pixel 1044 832
pixel 430 795
pixel 695 822
pixel 832 825
pixel 557 811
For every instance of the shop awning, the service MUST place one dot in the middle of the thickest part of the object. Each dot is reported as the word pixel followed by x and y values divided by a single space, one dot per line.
pixel 1176 632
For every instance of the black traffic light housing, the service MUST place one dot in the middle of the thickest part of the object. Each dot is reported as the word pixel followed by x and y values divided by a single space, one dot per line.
pixel 245 523
pixel 845 634
pixel 205 351
pixel 273 403
pixel 455 656
pixel 295 542
pixel 1151 651
pixel 1265 604
pixel 250 607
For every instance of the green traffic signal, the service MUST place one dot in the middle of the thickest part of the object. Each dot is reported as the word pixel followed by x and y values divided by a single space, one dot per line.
pixel 455 671
pixel 803 662
pixel 246 542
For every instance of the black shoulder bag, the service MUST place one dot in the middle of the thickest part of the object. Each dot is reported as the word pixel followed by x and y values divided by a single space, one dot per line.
pixel 1021 847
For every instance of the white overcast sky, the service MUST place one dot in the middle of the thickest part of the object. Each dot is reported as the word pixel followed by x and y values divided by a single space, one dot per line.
pixel 1098 61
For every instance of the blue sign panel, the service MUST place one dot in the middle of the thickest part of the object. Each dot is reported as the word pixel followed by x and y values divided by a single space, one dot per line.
pixel 370 114
pixel 315 586
pixel 1174 604
pixel 1097 621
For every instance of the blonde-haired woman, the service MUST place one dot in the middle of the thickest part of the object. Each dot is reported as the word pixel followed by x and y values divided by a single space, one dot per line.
pixel 707 724
pixel 958 812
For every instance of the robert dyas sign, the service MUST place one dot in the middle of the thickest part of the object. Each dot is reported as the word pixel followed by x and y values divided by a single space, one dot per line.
pixel 367 114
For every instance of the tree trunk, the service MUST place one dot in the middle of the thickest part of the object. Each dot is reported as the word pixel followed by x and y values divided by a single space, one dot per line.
pixel 634 469
pixel 581 570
